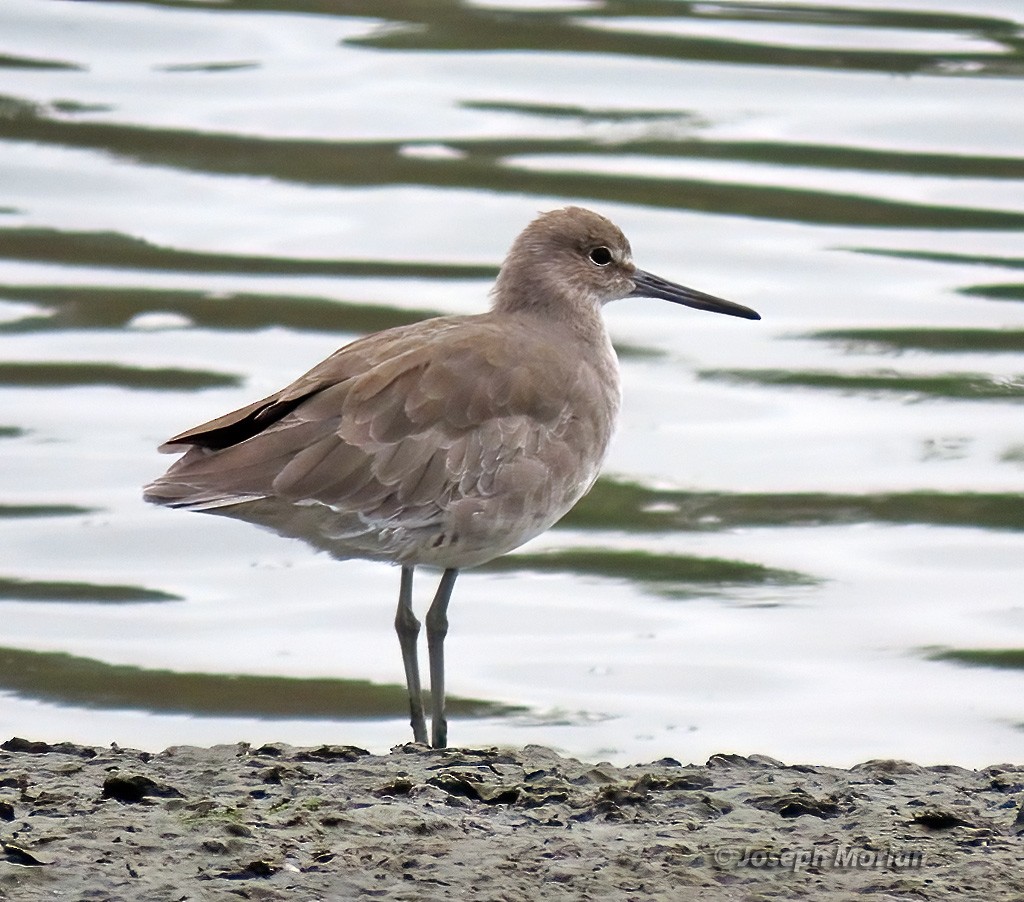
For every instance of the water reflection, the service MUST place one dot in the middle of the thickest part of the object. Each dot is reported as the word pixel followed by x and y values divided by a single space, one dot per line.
pixel 673 31
pixel 997 292
pixel 936 340
pixel 72 592
pixel 669 575
pixel 17 511
pixel 61 374
pixel 945 257
pixel 76 307
pixel 116 251
pixel 537 166
pixel 951 386
pixel 83 682
pixel 1005 658
pixel 614 505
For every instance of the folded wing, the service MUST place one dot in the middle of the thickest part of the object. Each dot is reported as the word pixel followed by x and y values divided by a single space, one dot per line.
pixel 391 440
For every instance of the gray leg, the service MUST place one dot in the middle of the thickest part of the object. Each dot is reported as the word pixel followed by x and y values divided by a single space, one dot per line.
pixel 437 629
pixel 408 629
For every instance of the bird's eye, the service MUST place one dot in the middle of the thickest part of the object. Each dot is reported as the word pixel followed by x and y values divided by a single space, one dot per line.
pixel 601 256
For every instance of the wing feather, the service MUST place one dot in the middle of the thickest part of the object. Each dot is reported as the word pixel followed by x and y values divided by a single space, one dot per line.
pixel 402 430
pixel 322 471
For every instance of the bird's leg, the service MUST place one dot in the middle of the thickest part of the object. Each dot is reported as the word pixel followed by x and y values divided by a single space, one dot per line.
pixel 437 628
pixel 408 629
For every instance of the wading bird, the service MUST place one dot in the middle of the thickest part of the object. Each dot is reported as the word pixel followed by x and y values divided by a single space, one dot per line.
pixel 445 443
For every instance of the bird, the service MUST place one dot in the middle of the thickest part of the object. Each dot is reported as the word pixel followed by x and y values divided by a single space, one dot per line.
pixel 444 443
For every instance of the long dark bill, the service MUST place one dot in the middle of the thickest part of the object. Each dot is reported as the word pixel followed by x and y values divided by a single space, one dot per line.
pixel 651 286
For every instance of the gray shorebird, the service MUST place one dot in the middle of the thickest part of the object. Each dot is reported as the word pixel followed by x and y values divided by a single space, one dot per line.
pixel 444 443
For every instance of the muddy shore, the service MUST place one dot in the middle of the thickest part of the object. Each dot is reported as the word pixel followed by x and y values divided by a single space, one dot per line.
pixel 330 823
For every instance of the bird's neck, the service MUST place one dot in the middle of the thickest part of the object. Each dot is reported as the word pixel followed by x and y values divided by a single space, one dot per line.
pixel 519 294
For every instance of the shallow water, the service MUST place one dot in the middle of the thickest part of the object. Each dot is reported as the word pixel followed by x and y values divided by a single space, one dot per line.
pixel 808 541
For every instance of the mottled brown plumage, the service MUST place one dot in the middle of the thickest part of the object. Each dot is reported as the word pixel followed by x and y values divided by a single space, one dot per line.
pixel 447 442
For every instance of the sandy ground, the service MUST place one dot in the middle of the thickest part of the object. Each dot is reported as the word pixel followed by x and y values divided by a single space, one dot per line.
pixel 331 823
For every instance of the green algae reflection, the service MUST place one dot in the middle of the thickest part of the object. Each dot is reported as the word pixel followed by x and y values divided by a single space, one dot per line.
pixel 948 386
pixel 673 575
pixel 17 511
pixel 940 341
pixel 90 307
pixel 942 257
pixel 119 251
pixel 1003 658
pixel 68 591
pixel 70 374
pixel 627 506
pixel 450 25
pixel 65 679
pixel 1001 292
pixel 479 164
